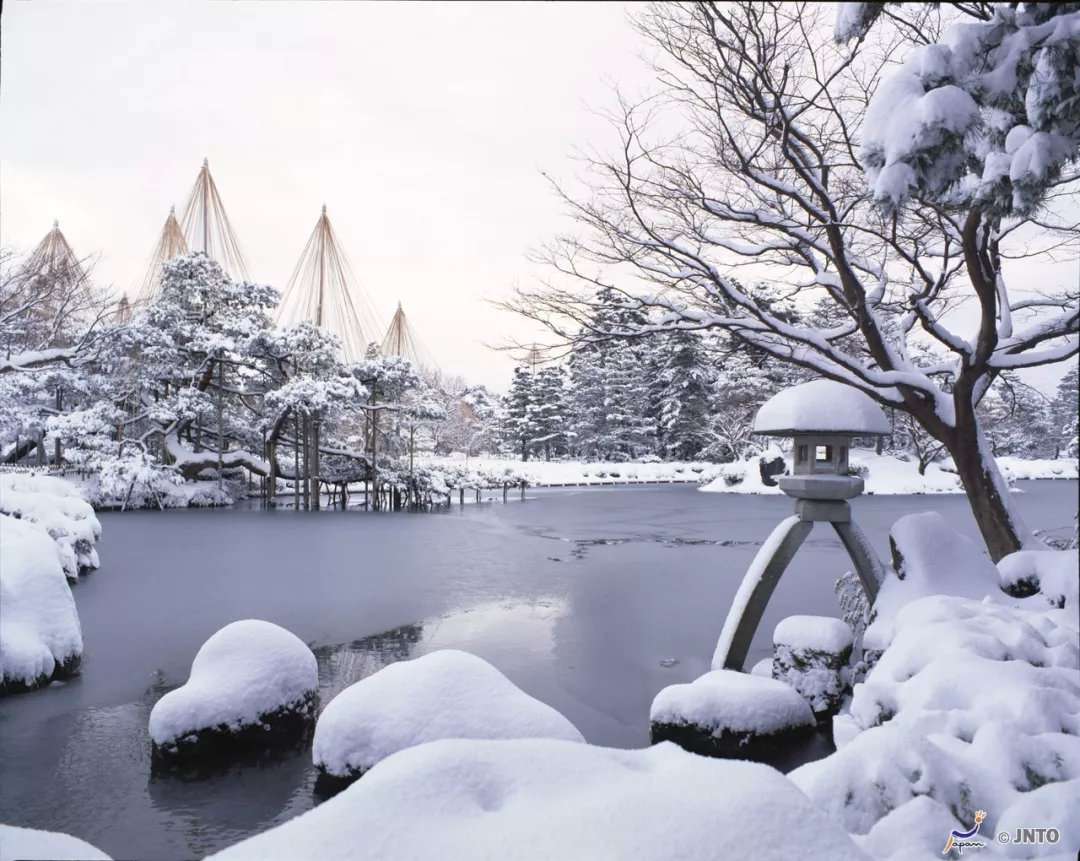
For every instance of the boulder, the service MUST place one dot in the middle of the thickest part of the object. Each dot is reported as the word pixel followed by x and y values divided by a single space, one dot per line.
pixel 732 715
pixel 253 687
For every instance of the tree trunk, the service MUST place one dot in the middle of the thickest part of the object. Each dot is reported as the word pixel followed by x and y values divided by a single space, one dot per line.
pixel 315 465
pixel 1001 526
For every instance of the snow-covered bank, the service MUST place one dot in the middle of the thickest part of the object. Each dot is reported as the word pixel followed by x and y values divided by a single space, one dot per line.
pixel 885 474
pixel 61 510
pixel 544 799
pixel 556 473
pixel 40 635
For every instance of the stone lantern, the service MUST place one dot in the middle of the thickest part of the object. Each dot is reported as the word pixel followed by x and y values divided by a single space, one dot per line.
pixel 822 418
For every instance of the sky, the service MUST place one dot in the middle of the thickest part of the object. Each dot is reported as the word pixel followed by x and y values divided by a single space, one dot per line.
pixel 424 128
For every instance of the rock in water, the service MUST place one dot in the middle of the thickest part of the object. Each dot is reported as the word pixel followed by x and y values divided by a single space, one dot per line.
pixel 447 694
pixel 253 687
pixel 810 653
pixel 732 715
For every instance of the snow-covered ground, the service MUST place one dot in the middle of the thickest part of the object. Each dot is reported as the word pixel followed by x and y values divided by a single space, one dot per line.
pixel 546 799
pixel 245 671
pixel 40 635
pixel 446 694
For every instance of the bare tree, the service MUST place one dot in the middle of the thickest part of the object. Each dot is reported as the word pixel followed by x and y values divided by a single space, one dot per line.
pixel 748 163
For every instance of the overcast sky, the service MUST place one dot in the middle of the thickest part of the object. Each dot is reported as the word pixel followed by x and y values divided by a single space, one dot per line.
pixel 422 127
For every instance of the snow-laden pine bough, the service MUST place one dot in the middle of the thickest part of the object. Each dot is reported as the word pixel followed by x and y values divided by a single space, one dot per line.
pixel 253 688
pixel 446 694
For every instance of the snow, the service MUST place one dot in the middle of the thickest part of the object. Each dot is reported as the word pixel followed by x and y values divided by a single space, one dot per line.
pixel 245 670
pixel 445 694
pixel 543 799
pixel 733 701
pixel 554 473
pixel 935 559
pixel 39 625
pixel 29 844
pixel 823 406
pixel 1053 573
pixel 1017 468
pixel 57 506
pixel 820 633
pixel 974 705
pixel 883 474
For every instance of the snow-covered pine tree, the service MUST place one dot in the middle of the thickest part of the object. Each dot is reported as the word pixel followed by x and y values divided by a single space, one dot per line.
pixel 518 406
pixel 549 413
pixel 1064 417
pixel 683 395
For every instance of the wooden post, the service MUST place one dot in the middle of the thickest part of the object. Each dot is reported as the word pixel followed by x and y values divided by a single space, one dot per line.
pixel 461 496
pixel 505 488
pixel 296 461
pixel 57 451
pixel 307 462
pixel 315 457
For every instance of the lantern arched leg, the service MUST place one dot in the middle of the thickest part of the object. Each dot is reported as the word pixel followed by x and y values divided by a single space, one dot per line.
pixel 867 565
pixel 757 587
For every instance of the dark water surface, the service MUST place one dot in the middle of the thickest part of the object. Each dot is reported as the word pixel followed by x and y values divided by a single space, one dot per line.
pixel 591 600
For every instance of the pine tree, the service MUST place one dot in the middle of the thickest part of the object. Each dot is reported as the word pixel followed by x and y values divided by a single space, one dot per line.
pixel 548 410
pixel 683 395
pixel 518 427
pixel 1063 414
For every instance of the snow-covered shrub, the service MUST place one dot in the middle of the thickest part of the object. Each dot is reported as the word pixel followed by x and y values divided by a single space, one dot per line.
pixel 55 505
pixel 533 799
pixel 40 635
pixel 811 654
pixel 975 705
pixel 446 694
pixel 252 685
pixel 726 713
pixel 29 844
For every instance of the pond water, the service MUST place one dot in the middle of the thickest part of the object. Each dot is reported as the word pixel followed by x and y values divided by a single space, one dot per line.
pixel 591 600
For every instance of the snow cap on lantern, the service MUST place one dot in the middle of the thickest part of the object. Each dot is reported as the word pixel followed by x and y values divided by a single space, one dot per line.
pixel 822 417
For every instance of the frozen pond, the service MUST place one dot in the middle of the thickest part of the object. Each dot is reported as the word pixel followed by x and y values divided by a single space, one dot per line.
pixel 582 597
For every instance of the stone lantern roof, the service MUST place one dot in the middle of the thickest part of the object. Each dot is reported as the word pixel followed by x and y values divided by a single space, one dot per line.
pixel 821 407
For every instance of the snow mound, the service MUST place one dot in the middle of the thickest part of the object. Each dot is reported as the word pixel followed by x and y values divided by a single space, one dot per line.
pixel 727 700
pixel 929 558
pixel 29 844
pixel 446 694
pixel 819 633
pixel 40 635
pixel 543 799
pixel 824 406
pixel 1053 573
pixel 246 670
pixel 56 505
pixel 974 705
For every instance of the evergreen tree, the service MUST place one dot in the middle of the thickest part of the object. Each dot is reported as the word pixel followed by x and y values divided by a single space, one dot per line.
pixel 683 396
pixel 548 410
pixel 1063 414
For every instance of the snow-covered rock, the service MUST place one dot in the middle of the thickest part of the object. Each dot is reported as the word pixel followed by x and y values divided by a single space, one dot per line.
pixel 1053 574
pixel 975 705
pixel 543 799
pixel 726 713
pixel 811 653
pixel 822 406
pixel 57 506
pixel 29 844
pixel 40 635
pixel 252 685
pixel 929 558
pixel 446 694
